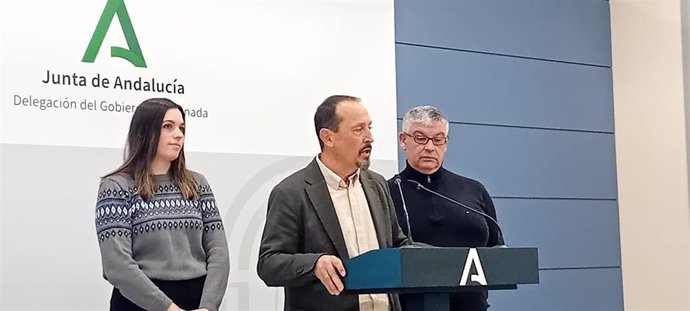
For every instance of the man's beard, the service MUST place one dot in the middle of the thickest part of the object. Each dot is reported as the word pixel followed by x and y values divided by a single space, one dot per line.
pixel 363 164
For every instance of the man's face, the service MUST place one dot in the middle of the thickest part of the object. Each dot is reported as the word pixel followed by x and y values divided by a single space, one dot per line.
pixel 352 141
pixel 426 158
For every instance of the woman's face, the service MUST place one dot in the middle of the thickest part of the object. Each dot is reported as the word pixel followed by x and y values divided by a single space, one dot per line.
pixel 171 139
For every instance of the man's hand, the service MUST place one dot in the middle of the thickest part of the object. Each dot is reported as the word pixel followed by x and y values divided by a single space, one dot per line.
pixel 174 307
pixel 329 270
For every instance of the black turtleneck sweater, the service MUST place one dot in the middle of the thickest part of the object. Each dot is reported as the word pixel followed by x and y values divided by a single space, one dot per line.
pixel 438 222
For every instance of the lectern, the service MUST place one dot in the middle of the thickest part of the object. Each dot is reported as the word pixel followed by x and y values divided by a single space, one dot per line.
pixel 438 271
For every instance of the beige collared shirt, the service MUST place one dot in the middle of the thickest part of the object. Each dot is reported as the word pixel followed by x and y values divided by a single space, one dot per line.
pixel 355 220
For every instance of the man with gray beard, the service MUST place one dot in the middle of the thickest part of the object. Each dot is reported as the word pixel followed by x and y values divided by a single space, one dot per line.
pixel 331 210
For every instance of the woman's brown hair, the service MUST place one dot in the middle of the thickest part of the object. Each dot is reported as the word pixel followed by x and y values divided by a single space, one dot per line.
pixel 141 147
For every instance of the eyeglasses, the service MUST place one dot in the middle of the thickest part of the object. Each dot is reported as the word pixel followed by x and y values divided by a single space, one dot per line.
pixel 423 139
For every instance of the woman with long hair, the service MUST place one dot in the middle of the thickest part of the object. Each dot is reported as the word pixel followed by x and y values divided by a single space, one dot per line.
pixel 162 241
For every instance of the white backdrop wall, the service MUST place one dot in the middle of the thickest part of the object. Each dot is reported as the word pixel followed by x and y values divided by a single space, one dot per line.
pixel 254 70
pixel 652 144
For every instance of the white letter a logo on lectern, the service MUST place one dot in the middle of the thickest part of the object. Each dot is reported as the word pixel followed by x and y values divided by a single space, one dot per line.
pixel 473 258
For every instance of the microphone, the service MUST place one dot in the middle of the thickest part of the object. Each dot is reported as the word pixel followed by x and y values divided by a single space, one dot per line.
pixel 491 219
pixel 404 206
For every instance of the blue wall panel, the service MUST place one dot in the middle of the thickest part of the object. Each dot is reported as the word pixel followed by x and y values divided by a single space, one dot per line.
pixel 568 233
pixel 527 86
pixel 574 30
pixel 564 290
pixel 518 162
pixel 489 89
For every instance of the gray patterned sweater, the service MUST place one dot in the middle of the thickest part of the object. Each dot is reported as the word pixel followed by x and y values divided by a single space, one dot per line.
pixel 166 238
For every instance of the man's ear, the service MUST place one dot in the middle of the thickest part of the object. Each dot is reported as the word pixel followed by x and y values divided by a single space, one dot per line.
pixel 326 137
pixel 401 139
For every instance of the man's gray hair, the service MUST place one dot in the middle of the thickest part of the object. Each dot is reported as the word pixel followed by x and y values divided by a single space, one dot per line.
pixel 426 115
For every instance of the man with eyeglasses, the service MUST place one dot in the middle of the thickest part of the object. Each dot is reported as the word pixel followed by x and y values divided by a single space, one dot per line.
pixel 433 220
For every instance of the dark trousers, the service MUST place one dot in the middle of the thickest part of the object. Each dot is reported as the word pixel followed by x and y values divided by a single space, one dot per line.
pixel 470 300
pixel 185 294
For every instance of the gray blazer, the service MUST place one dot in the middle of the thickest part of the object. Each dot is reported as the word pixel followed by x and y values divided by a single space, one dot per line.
pixel 301 225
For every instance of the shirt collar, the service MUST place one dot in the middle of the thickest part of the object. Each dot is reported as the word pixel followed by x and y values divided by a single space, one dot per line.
pixel 333 180
pixel 411 173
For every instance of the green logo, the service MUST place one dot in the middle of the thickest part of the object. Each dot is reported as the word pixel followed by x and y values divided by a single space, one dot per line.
pixel 133 54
